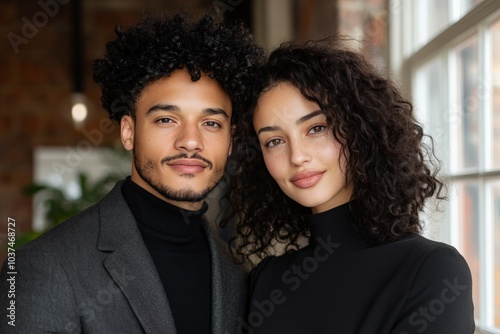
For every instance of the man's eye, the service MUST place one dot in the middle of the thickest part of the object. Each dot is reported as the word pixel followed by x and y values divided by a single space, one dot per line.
pixel 212 124
pixel 164 120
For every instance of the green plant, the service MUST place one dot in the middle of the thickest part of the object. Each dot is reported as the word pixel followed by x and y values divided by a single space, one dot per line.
pixel 60 207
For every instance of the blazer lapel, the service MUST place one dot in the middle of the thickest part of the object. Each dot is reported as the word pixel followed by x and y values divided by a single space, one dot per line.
pixel 228 286
pixel 131 266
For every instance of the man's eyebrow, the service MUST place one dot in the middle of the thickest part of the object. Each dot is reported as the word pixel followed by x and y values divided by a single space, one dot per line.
pixel 164 107
pixel 216 111
pixel 170 107
pixel 309 116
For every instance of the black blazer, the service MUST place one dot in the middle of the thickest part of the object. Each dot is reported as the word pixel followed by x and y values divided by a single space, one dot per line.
pixel 93 274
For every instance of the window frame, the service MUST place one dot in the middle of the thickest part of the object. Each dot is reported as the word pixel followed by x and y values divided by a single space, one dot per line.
pixel 404 62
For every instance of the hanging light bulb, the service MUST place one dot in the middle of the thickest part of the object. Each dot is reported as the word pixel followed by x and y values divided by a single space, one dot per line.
pixel 79 109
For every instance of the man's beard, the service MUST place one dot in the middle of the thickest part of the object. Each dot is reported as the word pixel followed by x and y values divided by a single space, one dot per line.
pixel 146 169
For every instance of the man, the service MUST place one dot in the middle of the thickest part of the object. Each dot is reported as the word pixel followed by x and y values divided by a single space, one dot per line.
pixel 143 260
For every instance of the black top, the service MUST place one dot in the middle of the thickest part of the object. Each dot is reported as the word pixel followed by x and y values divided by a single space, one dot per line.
pixel 178 245
pixel 338 284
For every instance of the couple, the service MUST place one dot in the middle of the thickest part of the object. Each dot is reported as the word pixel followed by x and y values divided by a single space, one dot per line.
pixel 326 153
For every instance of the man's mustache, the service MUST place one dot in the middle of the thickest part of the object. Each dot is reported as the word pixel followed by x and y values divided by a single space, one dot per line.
pixel 186 156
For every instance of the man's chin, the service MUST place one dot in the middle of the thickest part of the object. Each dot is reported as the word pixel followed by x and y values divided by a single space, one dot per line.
pixel 173 189
pixel 184 195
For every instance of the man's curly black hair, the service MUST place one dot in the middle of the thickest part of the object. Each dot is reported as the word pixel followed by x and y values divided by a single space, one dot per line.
pixel 159 45
pixel 392 170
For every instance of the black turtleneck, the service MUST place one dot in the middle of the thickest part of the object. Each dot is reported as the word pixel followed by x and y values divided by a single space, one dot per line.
pixel 178 245
pixel 338 284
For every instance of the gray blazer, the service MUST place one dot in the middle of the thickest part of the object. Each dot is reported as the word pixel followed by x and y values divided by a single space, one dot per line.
pixel 93 274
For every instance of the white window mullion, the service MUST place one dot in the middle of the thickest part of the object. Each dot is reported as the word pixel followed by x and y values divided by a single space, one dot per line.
pixel 485 86
pixel 453 113
pixel 446 117
pixel 398 38
pixel 408 24
pixel 488 258
pixel 454 219
pixel 484 94
pixel 455 10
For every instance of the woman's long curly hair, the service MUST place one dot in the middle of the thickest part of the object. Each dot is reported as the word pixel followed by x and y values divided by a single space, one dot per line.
pixel 159 45
pixel 392 169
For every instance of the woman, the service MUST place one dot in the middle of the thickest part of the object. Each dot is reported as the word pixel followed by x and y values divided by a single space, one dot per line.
pixel 331 156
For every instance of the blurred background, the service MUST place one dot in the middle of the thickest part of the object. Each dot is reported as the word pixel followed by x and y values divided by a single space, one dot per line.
pixel 59 153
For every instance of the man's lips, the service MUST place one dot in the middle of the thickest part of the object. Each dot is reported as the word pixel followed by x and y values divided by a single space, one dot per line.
pixel 306 179
pixel 188 166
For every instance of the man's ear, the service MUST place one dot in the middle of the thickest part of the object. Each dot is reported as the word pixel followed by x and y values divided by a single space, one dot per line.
pixel 127 132
pixel 233 131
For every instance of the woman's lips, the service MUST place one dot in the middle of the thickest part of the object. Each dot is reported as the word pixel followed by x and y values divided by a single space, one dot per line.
pixel 306 179
pixel 188 166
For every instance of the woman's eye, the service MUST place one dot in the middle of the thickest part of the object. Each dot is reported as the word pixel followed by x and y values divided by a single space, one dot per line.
pixel 316 129
pixel 274 142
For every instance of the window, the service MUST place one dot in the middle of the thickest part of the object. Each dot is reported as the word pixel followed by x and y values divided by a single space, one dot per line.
pixel 447 53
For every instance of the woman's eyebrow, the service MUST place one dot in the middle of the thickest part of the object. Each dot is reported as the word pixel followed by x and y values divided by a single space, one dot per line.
pixel 268 128
pixel 309 116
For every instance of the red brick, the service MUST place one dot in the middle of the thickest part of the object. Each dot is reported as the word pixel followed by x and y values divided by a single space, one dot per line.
pixel 6 124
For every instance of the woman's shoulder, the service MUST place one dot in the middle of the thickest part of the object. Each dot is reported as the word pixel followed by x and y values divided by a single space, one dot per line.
pixel 426 264
pixel 437 265
pixel 441 285
pixel 433 253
